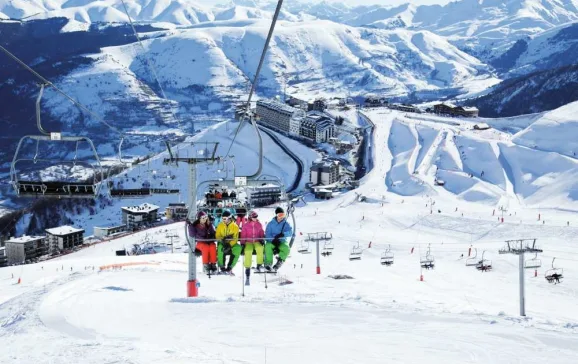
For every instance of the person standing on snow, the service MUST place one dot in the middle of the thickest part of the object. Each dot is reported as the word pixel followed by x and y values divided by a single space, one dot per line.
pixel 278 229
pixel 253 238
pixel 203 232
pixel 228 242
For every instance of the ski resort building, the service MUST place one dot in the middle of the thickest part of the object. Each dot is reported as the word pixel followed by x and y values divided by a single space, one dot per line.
pixel 25 249
pixel 324 173
pixel 3 257
pixel 105 232
pixel 279 116
pixel 318 128
pixel 258 196
pixel 64 238
pixel 177 211
pixel 447 108
pixel 134 217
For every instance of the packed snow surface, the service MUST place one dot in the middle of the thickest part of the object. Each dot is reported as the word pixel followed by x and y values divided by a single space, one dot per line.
pixel 63 310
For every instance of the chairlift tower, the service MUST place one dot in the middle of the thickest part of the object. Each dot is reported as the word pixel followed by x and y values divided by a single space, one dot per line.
pixel 519 247
pixel 192 286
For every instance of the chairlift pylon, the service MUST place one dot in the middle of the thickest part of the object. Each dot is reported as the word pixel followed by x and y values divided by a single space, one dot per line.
pixel 554 275
pixel 68 187
pixel 387 257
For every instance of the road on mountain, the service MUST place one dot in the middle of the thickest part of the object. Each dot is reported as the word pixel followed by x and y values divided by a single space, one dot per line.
pixel 292 155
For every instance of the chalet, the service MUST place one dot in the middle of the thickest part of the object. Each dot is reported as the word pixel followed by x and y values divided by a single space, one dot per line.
pixel 405 108
pixel 447 108
pixel 481 126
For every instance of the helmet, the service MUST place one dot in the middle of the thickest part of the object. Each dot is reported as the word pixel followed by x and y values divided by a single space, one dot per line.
pixel 253 215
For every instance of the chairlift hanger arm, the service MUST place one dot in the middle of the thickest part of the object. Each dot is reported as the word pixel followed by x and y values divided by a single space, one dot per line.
pixel 252 90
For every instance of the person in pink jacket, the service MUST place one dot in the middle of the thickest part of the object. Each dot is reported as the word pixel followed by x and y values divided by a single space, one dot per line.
pixel 253 237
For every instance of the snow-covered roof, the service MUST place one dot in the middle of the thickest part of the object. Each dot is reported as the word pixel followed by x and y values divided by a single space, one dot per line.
pixel 277 106
pixel 24 239
pixel 63 230
pixel 144 208
pixel 109 228
pixel 470 108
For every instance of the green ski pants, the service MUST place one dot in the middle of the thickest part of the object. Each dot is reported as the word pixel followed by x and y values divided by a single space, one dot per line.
pixel 283 252
pixel 226 249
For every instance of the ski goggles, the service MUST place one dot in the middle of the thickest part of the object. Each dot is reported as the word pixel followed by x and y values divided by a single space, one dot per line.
pixel 226 218
pixel 281 215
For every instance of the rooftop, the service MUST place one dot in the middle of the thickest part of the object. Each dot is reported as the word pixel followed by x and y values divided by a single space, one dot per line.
pixel 142 208
pixel 63 230
pixel 24 239
pixel 277 106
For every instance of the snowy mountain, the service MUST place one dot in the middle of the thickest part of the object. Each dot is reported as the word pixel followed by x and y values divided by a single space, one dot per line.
pixel 206 67
pixel 536 92
pixel 555 48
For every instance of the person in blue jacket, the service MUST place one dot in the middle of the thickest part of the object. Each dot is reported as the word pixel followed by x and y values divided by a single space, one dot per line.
pixel 276 234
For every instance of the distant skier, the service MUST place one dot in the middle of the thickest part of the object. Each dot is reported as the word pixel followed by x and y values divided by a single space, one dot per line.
pixel 227 235
pixel 253 238
pixel 203 231
pixel 277 230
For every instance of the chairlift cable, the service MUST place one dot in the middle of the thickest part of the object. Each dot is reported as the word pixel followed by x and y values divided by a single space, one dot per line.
pixel 44 80
pixel 148 62
pixel 254 85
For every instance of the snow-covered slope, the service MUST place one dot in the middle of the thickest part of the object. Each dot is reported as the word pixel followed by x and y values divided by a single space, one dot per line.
pixel 60 310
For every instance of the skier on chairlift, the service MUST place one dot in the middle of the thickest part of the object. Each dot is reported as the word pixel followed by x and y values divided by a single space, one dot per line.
pixel 253 237
pixel 228 242
pixel 203 231
pixel 278 229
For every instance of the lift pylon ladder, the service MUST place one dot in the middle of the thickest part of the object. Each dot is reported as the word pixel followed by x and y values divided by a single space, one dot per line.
pixel 60 188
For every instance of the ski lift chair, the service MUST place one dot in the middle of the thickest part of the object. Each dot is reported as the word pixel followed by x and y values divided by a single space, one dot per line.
pixel 356 252
pixel 427 261
pixel 554 275
pixel 71 186
pixel 387 257
pixel 484 265
pixel 473 261
pixel 533 263
pixel 304 248
pixel 327 249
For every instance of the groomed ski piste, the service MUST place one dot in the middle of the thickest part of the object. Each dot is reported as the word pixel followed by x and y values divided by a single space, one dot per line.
pixel 63 310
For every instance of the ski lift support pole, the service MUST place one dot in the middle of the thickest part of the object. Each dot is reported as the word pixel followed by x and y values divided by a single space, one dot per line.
pixel 318 260
pixel 518 248
pixel 192 284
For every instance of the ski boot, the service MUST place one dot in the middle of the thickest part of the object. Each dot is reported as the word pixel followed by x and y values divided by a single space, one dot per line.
pixel 213 268
pixel 268 269
pixel 247 276
pixel 259 268
pixel 277 265
pixel 206 268
pixel 222 270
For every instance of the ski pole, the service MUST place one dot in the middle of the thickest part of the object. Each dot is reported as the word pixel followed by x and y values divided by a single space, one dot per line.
pixel 265 280
pixel 243 284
